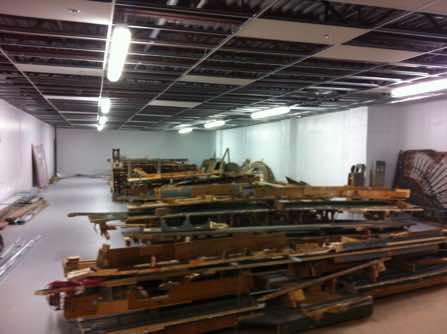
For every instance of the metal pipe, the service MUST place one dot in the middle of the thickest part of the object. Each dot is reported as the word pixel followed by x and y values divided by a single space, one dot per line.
pixel 14 258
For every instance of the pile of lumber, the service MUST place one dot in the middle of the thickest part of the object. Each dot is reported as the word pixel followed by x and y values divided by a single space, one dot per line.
pixel 137 179
pixel 210 206
pixel 203 285
pixel 211 257
pixel 122 169
pixel 22 210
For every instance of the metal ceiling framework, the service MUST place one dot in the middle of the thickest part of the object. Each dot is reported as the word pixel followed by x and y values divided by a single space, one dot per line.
pixel 192 61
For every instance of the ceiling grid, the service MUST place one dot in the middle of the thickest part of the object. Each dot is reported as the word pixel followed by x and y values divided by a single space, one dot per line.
pixel 193 61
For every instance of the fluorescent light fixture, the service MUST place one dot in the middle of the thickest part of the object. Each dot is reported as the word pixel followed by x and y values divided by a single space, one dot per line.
pixel 100 127
pixel 105 104
pixel 420 88
pixel 102 120
pixel 185 131
pixel 183 126
pixel 270 112
pixel 119 46
pixel 214 124
pixel 413 98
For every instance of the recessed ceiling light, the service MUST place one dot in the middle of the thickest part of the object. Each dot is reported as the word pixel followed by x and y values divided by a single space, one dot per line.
pixel 214 124
pixel 74 11
pixel 105 104
pixel 270 112
pixel 185 131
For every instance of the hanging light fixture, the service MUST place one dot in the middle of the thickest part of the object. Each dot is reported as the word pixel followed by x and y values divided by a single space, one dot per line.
pixel 420 88
pixel 184 131
pixel 105 104
pixel 214 124
pixel 270 112
pixel 119 46
pixel 102 120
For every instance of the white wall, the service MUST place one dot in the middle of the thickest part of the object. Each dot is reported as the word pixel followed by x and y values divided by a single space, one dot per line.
pixel 18 131
pixel 328 145
pixel 406 126
pixel 87 151
pixel 268 142
pixel 318 150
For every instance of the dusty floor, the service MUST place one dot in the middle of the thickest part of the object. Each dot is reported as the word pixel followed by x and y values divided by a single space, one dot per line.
pixel 23 313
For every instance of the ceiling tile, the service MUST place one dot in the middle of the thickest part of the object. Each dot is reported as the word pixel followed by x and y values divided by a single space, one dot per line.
pixel 299 32
pixel 173 103
pixel 438 8
pixel 359 53
pixel 216 80
pixel 89 11
pixel 60 69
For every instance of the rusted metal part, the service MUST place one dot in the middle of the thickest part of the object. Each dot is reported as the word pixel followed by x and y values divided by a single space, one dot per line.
pixel 281 319
pixel 425 173
pixel 193 318
pixel 320 280
pixel 113 300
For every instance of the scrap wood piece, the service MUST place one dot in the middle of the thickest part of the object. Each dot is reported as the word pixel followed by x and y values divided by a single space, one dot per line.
pixel 320 280
pixel 31 208
pixel 40 164
pixel 174 293
pixel 152 177
pixel 404 283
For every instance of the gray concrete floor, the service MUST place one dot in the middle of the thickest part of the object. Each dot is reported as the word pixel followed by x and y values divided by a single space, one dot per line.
pixel 23 313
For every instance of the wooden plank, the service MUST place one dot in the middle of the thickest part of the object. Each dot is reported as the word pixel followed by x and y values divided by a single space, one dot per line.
pixel 320 280
pixel 106 302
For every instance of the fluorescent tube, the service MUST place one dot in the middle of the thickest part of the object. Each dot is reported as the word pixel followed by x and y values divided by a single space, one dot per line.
pixel 102 120
pixel 420 88
pixel 105 104
pixel 119 46
pixel 185 131
pixel 270 112
pixel 214 124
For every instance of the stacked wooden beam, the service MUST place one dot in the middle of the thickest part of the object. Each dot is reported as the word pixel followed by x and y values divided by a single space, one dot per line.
pixel 194 207
pixel 264 270
pixel 123 168
pixel 249 255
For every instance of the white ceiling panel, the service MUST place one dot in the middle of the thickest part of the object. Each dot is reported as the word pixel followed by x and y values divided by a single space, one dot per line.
pixel 438 8
pixel 299 32
pixel 359 53
pixel 216 80
pixel 172 103
pixel 60 70
pixel 65 10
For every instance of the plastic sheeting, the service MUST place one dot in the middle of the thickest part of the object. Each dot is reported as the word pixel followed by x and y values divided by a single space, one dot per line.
pixel 318 150
pixel 18 131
